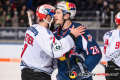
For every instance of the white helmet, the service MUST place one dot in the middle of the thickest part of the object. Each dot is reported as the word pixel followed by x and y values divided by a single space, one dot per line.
pixel 67 7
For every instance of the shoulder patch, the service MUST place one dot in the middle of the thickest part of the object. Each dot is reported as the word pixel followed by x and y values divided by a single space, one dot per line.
pixel 109 33
pixel 32 29
pixel 57 46
pixel 89 37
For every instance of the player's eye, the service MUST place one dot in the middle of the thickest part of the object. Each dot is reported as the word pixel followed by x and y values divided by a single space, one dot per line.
pixel 58 12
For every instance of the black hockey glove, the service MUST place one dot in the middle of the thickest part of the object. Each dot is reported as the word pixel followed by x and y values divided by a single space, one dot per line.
pixel 80 57
pixel 76 71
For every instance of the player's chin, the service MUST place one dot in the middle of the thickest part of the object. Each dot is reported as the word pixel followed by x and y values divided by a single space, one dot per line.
pixel 57 23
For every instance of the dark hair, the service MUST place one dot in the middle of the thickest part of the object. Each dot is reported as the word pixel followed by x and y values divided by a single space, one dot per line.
pixel 41 20
pixel 69 15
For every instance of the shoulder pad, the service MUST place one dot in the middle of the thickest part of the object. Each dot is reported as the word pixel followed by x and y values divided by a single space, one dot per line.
pixel 77 24
pixel 109 33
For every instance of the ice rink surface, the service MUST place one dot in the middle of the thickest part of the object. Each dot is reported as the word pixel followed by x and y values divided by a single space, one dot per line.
pixel 11 71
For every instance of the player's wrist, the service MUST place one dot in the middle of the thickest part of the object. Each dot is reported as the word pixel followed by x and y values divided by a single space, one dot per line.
pixel 73 37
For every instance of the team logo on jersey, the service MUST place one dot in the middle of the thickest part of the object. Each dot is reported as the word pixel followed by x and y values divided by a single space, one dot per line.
pixel 73 74
pixel 57 46
pixel 72 52
pixel 89 37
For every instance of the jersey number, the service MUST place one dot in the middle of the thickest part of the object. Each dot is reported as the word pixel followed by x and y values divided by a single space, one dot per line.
pixel 105 45
pixel 95 50
pixel 25 46
pixel 106 42
pixel 117 45
pixel 29 40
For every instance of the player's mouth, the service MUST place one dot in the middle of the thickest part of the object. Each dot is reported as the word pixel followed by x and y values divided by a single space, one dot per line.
pixel 56 20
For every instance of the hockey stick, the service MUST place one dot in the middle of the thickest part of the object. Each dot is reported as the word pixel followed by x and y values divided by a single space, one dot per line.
pixel 29 18
pixel 102 64
pixel 67 59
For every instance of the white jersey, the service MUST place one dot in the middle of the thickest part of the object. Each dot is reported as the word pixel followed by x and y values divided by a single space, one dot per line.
pixel 40 46
pixel 112 46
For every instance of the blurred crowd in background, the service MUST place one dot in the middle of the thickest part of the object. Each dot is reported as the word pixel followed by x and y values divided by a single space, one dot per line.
pixel 15 10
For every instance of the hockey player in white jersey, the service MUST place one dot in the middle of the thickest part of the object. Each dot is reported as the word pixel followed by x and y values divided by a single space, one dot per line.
pixel 40 46
pixel 112 50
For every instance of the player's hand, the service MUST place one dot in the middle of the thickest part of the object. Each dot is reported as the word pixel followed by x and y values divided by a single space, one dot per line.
pixel 76 70
pixel 78 31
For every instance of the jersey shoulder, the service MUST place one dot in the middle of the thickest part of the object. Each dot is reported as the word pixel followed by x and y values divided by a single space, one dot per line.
pixel 77 24
pixel 42 30
pixel 110 33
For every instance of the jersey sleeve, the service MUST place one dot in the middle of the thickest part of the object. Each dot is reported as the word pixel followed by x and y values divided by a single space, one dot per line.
pixel 53 47
pixel 106 42
pixel 89 45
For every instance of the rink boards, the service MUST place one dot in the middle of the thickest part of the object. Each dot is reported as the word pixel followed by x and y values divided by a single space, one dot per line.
pixel 12 53
pixel 10 63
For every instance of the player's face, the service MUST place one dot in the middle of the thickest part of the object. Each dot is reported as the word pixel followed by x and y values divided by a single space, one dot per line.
pixel 49 18
pixel 58 17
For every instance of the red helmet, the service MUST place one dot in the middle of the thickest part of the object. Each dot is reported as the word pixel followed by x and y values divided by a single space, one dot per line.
pixel 44 10
pixel 117 18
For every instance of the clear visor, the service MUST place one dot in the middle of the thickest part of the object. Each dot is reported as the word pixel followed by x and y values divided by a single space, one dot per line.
pixel 51 12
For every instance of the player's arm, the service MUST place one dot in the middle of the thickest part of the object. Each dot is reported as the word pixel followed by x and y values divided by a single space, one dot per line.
pixel 106 42
pixel 92 46
pixel 56 48
pixel 89 45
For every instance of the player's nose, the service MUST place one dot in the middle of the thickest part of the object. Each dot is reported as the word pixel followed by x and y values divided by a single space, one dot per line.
pixel 54 15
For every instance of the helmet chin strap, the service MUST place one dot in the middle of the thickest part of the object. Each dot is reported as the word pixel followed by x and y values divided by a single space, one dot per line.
pixel 61 26
pixel 49 23
pixel 64 21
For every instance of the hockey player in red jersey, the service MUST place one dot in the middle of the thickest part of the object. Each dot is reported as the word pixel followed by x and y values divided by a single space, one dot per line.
pixel 40 46
pixel 112 50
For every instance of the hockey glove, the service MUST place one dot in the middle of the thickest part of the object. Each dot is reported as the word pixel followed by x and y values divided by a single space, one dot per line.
pixel 75 72
pixel 80 57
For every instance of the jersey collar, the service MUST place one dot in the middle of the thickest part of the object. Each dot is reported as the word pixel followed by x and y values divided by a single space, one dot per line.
pixel 69 29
